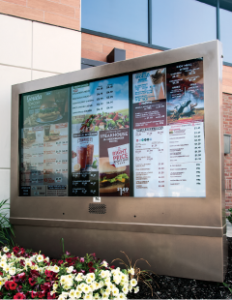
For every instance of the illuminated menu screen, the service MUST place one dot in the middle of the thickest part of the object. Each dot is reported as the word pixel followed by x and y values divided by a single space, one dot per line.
pixel 44 144
pixel 168 129
pixel 139 135
pixel 100 138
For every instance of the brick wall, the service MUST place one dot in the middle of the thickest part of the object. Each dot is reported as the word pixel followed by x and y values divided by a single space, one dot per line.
pixel 64 13
pixel 97 48
pixel 227 125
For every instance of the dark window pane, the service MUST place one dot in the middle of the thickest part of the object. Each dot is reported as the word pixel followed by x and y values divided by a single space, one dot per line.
pixel 178 23
pixel 226 36
pixel 123 18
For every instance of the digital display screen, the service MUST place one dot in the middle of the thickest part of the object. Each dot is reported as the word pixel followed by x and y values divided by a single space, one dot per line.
pixel 140 134
pixel 168 129
pixel 44 144
pixel 100 138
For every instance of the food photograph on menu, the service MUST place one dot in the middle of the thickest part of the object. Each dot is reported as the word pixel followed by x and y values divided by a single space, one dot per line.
pixel 100 122
pixel 185 94
pixel 44 143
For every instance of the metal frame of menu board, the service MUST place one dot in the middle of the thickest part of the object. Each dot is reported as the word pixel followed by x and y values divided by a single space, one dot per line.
pixel 179 236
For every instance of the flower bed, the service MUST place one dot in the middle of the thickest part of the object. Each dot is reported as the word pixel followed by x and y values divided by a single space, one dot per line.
pixel 28 275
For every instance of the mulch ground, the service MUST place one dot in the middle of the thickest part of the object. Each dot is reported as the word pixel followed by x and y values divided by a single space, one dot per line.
pixel 167 287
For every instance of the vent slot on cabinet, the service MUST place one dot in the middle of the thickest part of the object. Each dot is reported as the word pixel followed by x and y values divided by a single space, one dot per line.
pixel 95 208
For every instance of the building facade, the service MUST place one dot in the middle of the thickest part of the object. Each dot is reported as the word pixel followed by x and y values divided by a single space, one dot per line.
pixel 41 38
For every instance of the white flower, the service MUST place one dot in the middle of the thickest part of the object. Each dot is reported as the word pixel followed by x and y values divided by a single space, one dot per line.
pixel 115 291
pixel 77 294
pixel 79 277
pixel 72 293
pixel 88 280
pixel 47 259
pixel 61 297
pixel 93 286
pixel 96 296
pixel 89 296
pixel 104 264
pixel 65 294
pixel 124 277
pixel 131 271
pixel 130 287
pixel 55 269
pixel 70 269
pixel 107 281
pixel 133 282
pixel 55 286
pixel 2 264
pixel 12 271
pixel 40 258
pixel 136 289
pixel 5 249
pixel 117 279
pixel 121 296
pixel 90 276
pixel 125 289
pixel 6 268
pixel 103 274
pixel 86 289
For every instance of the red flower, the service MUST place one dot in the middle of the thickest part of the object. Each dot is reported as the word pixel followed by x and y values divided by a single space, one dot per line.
pixel 49 296
pixel 90 264
pixel 41 295
pixel 93 254
pixel 16 250
pixel 46 286
pixel 31 281
pixel 60 262
pixel 91 270
pixel 1 273
pixel 35 273
pixel 12 285
pixel 19 296
pixel 7 285
pixel 34 295
pixel 68 260
pixel 113 267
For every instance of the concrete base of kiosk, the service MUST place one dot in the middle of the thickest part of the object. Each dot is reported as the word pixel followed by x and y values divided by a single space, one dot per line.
pixel 188 256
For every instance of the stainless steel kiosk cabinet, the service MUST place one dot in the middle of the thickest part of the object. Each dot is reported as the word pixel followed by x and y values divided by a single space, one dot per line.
pixel 155 123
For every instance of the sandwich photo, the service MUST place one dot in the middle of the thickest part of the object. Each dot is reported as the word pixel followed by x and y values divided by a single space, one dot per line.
pixel 49 111
pixel 29 139
pixel 54 135
pixel 111 178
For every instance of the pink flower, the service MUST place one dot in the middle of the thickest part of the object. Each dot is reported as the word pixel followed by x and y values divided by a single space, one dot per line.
pixel 82 259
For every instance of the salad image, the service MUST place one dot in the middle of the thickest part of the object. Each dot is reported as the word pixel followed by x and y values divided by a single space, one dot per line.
pixel 105 121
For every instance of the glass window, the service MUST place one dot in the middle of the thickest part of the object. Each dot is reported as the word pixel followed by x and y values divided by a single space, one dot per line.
pixel 128 19
pixel 178 23
pixel 226 25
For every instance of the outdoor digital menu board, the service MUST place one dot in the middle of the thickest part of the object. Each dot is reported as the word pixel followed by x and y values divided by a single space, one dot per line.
pixel 44 144
pixel 88 139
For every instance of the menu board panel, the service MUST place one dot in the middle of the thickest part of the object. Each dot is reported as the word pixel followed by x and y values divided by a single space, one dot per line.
pixel 100 138
pixel 44 144
pixel 167 143
pixel 169 153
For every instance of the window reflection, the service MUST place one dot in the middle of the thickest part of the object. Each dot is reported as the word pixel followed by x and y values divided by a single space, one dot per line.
pixel 178 23
pixel 123 18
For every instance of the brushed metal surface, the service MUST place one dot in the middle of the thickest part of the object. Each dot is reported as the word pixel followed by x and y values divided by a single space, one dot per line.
pixel 203 217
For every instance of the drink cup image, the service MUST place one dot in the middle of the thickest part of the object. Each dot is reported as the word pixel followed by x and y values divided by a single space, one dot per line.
pixel 82 157
pixel 90 152
pixel 158 84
